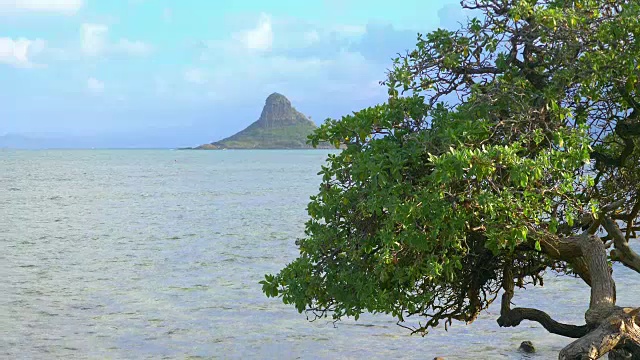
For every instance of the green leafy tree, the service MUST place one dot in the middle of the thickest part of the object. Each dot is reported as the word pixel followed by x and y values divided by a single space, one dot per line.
pixel 436 206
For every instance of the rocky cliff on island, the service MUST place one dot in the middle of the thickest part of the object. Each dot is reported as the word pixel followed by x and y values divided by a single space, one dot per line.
pixel 280 126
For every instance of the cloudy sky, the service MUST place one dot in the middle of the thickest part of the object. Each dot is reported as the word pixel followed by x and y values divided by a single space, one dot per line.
pixel 192 71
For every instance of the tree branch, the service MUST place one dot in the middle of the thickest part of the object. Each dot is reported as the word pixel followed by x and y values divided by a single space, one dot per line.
pixel 508 286
pixel 625 95
pixel 515 316
pixel 626 131
pixel 592 248
pixel 631 218
pixel 476 71
pixel 618 331
pixel 623 251
pixel 581 268
pixel 567 250
pixel 603 291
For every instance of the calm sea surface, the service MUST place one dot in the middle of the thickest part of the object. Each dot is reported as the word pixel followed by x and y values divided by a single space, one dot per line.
pixel 158 254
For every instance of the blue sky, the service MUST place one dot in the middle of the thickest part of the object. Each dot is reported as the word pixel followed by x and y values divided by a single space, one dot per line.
pixel 193 71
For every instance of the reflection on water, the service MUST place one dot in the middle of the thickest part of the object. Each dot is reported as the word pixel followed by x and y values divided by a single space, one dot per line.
pixel 151 254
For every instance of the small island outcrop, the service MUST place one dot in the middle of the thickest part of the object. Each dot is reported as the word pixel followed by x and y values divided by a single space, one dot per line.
pixel 280 126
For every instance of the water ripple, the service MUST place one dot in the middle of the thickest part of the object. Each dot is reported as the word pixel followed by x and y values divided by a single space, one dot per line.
pixel 132 255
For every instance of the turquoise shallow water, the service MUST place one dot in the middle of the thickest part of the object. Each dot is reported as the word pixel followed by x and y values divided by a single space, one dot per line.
pixel 157 254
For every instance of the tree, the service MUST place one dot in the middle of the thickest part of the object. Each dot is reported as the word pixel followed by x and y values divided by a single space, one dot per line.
pixel 436 206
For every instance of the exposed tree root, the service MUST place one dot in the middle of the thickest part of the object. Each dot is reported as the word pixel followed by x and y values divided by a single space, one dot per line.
pixel 619 331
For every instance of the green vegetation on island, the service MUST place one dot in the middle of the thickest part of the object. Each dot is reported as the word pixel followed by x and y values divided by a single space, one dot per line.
pixel 436 208
pixel 280 126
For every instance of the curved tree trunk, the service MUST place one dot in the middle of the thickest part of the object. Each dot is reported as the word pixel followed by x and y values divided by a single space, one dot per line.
pixel 614 329
pixel 619 332
pixel 609 329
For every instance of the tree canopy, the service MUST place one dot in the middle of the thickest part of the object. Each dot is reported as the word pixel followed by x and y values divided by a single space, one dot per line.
pixel 507 149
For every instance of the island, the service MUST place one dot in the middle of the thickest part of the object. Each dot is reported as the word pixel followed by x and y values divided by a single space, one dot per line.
pixel 280 126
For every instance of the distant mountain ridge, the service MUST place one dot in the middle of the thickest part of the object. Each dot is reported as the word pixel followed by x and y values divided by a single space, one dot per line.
pixel 164 139
pixel 280 126
pixel 17 141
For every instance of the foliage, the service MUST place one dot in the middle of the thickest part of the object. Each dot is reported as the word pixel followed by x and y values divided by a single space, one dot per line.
pixel 284 137
pixel 495 138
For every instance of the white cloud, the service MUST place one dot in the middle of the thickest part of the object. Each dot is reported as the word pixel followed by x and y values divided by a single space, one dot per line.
pixel 350 30
pixel 311 36
pixel 273 36
pixel 196 76
pixel 18 52
pixel 452 16
pixel 94 38
pixel 95 42
pixel 94 85
pixel 303 59
pixel 55 6
pixel 282 65
pixel 133 47
pixel 338 76
pixel 261 37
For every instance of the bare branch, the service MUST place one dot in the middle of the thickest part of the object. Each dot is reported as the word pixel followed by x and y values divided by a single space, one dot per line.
pixel 623 251
pixel 476 71
pixel 515 316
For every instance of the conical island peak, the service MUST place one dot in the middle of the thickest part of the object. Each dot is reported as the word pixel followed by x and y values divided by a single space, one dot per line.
pixel 278 111
pixel 277 98
pixel 280 126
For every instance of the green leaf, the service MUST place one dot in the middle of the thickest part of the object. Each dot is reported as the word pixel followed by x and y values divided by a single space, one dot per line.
pixel 446 192
pixel 553 226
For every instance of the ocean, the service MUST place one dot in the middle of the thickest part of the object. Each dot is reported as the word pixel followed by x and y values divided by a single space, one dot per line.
pixel 151 254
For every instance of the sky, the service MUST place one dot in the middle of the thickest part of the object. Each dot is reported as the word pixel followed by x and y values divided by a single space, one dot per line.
pixel 181 73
